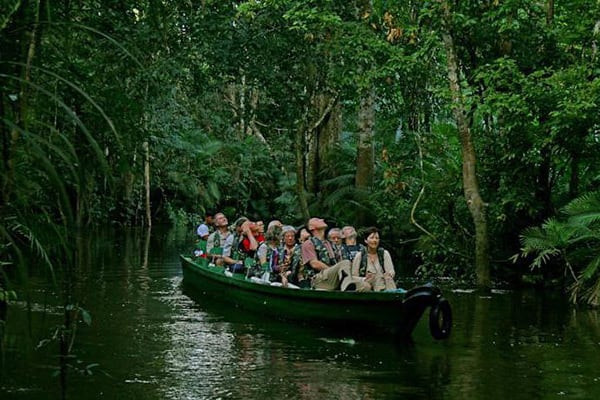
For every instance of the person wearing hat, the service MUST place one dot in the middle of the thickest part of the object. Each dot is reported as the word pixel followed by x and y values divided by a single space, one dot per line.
pixel 318 259
pixel 201 243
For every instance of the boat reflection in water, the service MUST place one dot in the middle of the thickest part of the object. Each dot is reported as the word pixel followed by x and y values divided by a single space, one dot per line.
pixel 252 355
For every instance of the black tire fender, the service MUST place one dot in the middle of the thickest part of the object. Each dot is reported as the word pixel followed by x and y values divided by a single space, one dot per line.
pixel 440 319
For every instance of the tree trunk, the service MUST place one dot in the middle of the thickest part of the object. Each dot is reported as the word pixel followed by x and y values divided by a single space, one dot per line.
pixel 543 189
pixel 574 179
pixel 320 137
pixel 470 185
pixel 550 12
pixel 24 33
pixel 365 152
pixel 300 174
pixel 146 147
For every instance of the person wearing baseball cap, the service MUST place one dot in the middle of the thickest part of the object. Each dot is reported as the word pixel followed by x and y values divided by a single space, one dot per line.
pixel 318 258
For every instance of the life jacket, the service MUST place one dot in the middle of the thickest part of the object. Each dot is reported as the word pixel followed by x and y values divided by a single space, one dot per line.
pixel 362 270
pixel 273 258
pixel 235 247
pixel 322 252
pixel 349 252
pixel 322 255
pixel 292 259
pixel 217 242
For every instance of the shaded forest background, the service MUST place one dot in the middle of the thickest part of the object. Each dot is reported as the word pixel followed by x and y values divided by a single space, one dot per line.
pixel 461 128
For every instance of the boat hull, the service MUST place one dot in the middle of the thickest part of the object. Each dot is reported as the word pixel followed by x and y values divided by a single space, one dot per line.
pixel 370 311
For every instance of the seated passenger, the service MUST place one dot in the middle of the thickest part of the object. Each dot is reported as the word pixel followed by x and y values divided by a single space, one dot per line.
pixel 268 255
pixel 273 223
pixel 335 237
pixel 318 259
pixel 372 267
pixel 260 228
pixel 207 225
pixel 291 256
pixel 201 244
pixel 220 243
pixel 350 247
pixel 303 235
pixel 247 243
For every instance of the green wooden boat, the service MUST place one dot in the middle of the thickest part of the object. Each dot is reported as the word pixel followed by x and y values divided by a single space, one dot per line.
pixel 394 312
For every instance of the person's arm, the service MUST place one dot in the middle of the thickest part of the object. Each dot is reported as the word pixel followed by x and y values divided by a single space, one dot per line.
pixel 248 233
pixel 262 253
pixel 318 265
pixel 227 246
pixel 388 265
pixel 309 256
pixel 210 243
pixel 356 264
pixel 230 261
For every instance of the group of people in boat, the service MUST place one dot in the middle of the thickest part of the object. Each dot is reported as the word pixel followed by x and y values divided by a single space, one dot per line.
pixel 313 256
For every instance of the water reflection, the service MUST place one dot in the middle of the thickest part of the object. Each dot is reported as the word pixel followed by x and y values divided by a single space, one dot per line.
pixel 153 338
pixel 245 355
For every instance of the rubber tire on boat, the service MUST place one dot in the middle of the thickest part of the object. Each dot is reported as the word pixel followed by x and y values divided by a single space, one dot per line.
pixel 440 328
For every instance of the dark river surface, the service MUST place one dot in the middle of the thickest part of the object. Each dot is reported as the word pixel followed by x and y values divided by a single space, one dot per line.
pixel 152 339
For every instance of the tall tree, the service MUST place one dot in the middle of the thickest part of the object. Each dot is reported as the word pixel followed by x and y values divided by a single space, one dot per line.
pixel 472 194
pixel 365 162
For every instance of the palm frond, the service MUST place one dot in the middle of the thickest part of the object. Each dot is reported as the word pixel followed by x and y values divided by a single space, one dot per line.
pixel 552 234
pixel 584 210
pixel 576 240
pixel 588 203
pixel 591 269
pixel 72 114
pixel 592 294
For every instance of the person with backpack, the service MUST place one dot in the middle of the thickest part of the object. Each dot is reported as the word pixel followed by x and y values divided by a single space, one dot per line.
pixel 320 269
pixel 372 267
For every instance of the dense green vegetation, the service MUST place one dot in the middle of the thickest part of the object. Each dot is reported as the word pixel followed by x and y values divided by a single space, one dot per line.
pixel 451 125
pixel 460 128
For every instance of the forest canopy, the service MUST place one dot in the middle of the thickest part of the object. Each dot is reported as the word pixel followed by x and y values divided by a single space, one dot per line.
pixel 456 127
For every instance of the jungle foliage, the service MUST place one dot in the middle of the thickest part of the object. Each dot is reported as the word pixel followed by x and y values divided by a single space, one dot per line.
pixel 136 112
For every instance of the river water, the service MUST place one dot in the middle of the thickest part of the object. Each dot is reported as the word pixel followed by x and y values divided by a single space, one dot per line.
pixel 151 338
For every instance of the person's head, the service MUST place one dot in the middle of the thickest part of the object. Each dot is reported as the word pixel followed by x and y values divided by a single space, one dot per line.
pixel 335 236
pixel 273 223
pixel 209 217
pixel 238 224
pixel 260 226
pixel 289 235
pixel 371 238
pixel 250 226
pixel 203 232
pixel 273 235
pixel 349 235
pixel 220 220
pixel 303 235
pixel 316 226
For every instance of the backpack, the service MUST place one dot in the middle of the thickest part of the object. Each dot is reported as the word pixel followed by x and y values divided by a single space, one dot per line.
pixel 362 270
